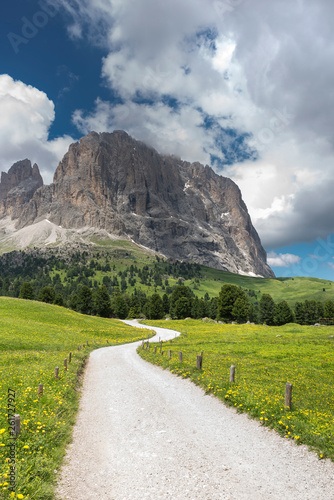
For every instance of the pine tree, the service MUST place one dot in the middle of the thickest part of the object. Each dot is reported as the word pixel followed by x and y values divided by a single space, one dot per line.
pixel 102 303
pixel 120 307
pixel 283 314
pixel 165 303
pixel 300 313
pixel 180 291
pixel 47 295
pixel 267 307
pixel 182 308
pixel 329 309
pixel 26 291
pixel 85 300
pixel 156 309
pixel 240 311
pixel 226 300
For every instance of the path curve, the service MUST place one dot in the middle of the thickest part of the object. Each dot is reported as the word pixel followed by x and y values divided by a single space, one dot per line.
pixel 144 433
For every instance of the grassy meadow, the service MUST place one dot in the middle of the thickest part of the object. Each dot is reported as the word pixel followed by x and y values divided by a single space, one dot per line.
pixel 34 339
pixel 266 358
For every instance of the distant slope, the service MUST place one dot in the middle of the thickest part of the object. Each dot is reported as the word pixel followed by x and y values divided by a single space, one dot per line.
pixel 290 289
pixel 125 261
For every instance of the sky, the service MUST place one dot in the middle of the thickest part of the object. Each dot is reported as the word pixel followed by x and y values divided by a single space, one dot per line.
pixel 245 86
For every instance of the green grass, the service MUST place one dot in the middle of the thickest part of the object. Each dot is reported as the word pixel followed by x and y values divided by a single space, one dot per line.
pixel 34 339
pixel 266 358
pixel 290 289
pixel 123 253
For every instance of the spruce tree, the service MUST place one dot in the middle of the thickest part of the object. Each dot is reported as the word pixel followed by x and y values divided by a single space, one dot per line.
pixel 267 308
pixel 156 309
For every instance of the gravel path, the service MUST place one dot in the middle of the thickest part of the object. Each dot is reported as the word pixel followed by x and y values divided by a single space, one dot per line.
pixel 143 433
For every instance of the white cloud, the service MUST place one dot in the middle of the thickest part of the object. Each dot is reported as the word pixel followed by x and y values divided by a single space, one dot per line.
pixel 268 72
pixel 25 119
pixel 282 260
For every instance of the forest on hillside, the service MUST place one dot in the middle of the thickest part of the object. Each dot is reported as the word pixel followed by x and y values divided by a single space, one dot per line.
pixel 95 283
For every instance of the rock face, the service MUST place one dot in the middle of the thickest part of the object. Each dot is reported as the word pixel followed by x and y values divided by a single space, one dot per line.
pixel 18 187
pixel 182 210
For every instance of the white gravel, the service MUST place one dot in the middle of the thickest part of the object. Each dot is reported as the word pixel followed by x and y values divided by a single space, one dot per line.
pixel 144 433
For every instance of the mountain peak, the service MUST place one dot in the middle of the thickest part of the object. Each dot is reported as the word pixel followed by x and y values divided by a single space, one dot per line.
pixel 18 186
pixel 183 210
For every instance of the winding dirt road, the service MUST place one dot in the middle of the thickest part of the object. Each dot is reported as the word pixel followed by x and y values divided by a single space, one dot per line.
pixel 143 433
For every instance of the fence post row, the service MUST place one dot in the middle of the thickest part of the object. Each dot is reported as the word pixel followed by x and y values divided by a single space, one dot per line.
pixel 199 364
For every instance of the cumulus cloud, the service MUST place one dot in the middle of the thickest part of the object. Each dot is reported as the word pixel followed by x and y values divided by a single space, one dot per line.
pixel 25 119
pixel 282 260
pixel 187 71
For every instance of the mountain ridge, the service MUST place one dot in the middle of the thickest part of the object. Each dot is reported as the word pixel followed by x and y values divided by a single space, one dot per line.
pixel 182 210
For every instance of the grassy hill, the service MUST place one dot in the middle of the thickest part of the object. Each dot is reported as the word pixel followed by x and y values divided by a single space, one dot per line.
pixel 290 289
pixel 34 339
pixel 139 270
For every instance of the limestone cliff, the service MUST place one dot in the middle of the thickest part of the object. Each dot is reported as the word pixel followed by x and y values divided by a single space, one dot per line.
pixel 18 186
pixel 182 210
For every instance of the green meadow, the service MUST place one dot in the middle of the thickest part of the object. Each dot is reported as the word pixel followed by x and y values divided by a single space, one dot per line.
pixel 34 339
pixel 266 358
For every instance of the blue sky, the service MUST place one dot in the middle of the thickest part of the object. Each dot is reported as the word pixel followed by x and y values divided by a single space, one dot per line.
pixel 246 86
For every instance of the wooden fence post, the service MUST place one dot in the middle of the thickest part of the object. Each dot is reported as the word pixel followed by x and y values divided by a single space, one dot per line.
pixel 70 357
pixel 160 345
pixel 155 349
pixel 288 395
pixel 180 356
pixel 40 389
pixel 65 364
pixel 170 353
pixel 232 374
pixel 57 372
pixel 199 362
pixel 87 342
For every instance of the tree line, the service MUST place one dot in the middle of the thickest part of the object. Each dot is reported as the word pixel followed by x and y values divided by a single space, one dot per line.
pixel 231 305
pixel 90 283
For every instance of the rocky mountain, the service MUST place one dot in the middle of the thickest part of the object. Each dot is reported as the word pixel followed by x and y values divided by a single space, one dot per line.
pixel 18 186
pixel 112 182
